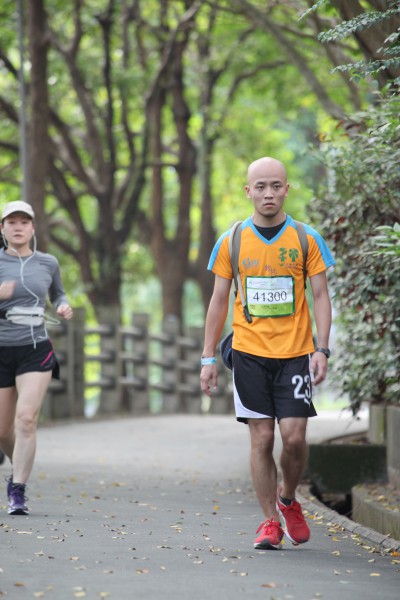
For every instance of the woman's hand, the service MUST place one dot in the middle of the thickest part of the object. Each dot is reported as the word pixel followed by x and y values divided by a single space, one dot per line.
pixel 7 289
pixel 65 311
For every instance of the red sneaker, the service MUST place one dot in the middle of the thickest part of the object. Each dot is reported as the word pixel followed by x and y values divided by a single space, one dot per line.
pixel 294 523
pixel 270 536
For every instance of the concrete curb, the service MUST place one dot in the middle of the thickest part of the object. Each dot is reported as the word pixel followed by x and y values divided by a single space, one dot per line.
pixel 382 541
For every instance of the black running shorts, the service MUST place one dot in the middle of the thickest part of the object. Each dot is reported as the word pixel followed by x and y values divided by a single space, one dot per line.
pixel 16 360
pixel 271 387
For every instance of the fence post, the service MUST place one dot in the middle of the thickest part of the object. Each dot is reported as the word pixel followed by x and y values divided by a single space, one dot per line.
pixel 191 371
pixel 170 357
pixel 65 399
pixel 222 398
pixel 110 401
pixel 76 363
pixel 133 364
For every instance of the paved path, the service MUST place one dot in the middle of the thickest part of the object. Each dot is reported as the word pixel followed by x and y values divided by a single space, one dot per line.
pixel 162 508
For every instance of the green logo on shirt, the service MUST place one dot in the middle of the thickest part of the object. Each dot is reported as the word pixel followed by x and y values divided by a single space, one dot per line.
pixel 293 254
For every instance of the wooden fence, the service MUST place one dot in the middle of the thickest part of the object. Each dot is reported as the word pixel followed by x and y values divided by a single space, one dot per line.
pixel 136 371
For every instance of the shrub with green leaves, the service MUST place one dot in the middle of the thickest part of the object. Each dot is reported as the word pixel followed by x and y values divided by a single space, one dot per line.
pixel 360 211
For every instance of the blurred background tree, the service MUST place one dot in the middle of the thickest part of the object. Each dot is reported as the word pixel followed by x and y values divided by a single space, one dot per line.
pixel 143 117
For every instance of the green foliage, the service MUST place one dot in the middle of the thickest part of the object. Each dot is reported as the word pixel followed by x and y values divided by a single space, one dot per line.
pixel 360 212
pixel 363 21
pixel 390 51
pixel 389 241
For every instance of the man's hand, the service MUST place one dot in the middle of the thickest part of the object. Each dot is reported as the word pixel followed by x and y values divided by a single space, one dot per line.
pixel 318 367
pixel 208 379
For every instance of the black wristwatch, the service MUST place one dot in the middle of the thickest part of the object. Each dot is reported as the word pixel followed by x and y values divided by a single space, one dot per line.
pixel 325 351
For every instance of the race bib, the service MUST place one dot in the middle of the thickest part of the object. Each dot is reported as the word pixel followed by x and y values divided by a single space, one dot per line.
pixel 270 296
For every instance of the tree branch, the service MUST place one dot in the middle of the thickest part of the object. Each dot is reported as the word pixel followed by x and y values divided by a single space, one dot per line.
pixel 261 20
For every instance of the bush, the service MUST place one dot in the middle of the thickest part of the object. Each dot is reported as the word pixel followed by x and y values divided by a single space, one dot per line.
pixel 363 196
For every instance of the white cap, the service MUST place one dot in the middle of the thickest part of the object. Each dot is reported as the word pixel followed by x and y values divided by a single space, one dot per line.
pixel 17 206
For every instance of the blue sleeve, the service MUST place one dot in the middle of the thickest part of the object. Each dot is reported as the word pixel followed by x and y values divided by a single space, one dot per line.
pixel 323 248
pixel 215 251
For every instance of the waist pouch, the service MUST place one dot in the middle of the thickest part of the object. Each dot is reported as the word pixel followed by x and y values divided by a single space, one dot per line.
pixel 25 315
pixel 225 348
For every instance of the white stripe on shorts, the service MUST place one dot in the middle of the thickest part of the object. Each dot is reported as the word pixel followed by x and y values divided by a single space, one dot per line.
pixel 242 411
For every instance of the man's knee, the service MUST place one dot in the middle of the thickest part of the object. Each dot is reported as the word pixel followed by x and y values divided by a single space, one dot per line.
pixel 262 435
pixel 295 445
pixel 293 435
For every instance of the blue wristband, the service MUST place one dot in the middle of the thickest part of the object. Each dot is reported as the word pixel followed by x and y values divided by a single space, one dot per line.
pixel 208 361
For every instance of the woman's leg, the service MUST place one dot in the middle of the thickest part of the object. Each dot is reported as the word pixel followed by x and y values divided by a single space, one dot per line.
pixel 8 397
pixel 31 390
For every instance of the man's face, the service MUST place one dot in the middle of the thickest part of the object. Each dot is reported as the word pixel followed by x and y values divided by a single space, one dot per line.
pixel 267 189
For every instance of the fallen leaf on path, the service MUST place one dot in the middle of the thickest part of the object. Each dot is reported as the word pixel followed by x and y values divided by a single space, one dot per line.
pixel 374 574
pixel 270 585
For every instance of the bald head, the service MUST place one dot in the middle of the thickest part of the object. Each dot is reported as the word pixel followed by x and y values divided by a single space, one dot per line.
pixel 267 188
pixel 266 166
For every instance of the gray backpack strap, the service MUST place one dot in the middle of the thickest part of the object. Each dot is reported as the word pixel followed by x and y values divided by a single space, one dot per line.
pixel 301 232
pixel 234 250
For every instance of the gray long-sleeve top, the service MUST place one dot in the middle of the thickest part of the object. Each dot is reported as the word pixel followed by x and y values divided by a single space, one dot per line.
pixel 41 280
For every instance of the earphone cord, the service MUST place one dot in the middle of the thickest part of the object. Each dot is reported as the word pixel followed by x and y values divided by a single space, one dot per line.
pixel 22 267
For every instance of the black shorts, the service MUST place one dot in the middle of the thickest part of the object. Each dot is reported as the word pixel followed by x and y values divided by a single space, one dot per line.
pixel 271 387
pixel 16 360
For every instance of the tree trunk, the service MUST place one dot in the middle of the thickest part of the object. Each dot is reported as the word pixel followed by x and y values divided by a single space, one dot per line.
pixel 38 137
pixel 171 253
pixel 204 278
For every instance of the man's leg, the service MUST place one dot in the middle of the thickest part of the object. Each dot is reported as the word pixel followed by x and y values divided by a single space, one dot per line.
pixel 263 467
pixel 264 476
pixel 293 461
pixel 294 454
